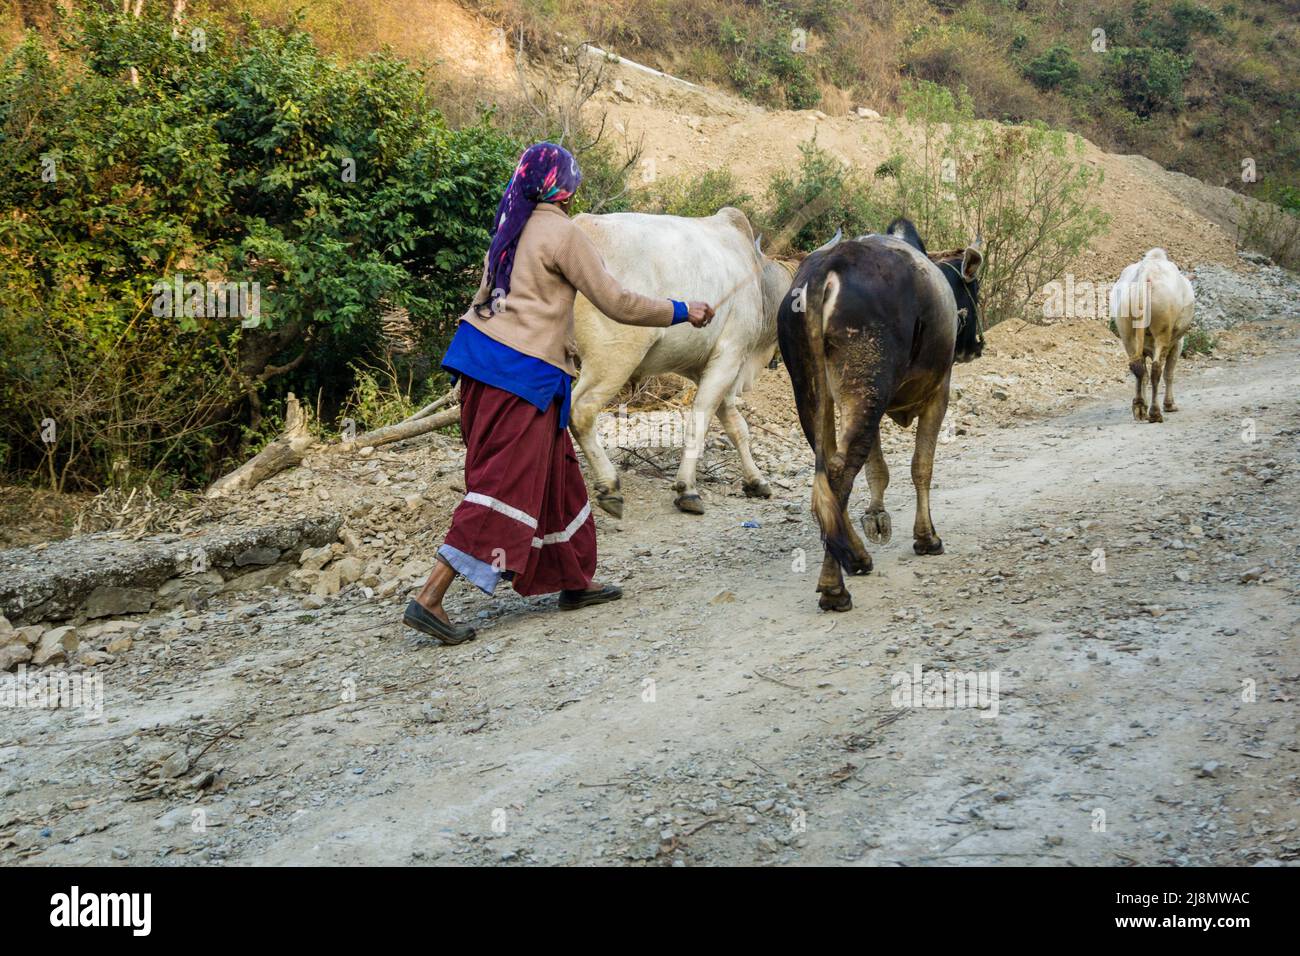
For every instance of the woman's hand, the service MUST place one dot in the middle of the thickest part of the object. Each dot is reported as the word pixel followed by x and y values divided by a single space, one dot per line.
pixel 699 314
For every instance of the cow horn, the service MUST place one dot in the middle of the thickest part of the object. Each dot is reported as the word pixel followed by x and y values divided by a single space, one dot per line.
pixel 758 244
pixel 839 233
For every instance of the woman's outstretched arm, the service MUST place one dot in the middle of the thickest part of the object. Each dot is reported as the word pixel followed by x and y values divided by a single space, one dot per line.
pixel 583 266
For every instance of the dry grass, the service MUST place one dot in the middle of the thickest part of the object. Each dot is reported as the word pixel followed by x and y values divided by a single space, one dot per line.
pixel 1242 86
pixel 653 392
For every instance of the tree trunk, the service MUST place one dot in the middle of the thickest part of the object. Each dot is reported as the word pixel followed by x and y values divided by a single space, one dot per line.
pixel 285 452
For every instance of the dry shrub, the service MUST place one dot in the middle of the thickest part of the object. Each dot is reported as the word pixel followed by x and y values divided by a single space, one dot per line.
pixel 553 101
pixel 337 26
pixel 956 58
pixel 834 101
pixel 1026 190
pixel 877 41
pixel 1270 230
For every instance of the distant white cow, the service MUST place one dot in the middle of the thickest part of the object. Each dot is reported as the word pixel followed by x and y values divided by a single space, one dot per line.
pixel 714 260
pixel 1152 305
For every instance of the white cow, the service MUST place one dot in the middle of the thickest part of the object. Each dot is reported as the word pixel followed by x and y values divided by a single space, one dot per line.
pixel 714 260
pixel 1152 305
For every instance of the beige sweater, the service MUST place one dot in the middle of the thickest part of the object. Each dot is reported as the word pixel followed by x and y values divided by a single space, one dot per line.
pixel 555 261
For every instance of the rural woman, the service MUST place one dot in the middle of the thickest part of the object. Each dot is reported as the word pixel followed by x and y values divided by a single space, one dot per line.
pixel 525 515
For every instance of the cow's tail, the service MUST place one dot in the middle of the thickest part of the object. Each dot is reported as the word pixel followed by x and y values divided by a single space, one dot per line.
pixel 1138 365
pixel 825 505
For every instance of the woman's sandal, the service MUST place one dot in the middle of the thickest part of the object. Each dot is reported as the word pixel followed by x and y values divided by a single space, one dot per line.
pixel 418 617
pixel 573 600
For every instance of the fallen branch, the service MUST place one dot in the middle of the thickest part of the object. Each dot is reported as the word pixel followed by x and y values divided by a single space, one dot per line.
pixel 775 681
pixel 701 825
pixel 407 429
pixel 772 431
pixel 450 398
pixel 285 452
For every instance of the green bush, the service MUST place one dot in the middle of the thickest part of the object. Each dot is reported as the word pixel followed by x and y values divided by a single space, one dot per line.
pixel 1175 27
pixel 1199 341
pixel 1149 79
pixel 1281 194
pixel 805 206
pixel 336 190
pixel 765 66
pixel 1054 69
pixel 700 195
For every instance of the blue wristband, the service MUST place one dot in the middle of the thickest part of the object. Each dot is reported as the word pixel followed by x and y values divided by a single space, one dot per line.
pixel 680 312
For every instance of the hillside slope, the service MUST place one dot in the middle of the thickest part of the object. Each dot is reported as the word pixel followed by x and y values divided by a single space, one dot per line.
pixel 686 128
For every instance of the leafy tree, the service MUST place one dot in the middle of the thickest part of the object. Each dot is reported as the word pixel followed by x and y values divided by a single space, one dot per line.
pixel 1053 69
pixel 1149 79
pixel 137 156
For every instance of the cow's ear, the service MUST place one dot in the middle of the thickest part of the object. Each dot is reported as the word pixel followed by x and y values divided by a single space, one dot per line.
pixel 972 260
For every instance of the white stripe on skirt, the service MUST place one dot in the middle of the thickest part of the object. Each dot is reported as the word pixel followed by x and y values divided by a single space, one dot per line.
pixel 509 511
pixel 559 537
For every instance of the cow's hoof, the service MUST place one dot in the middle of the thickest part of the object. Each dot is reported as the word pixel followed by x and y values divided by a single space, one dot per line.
pixel 1139 410
pixel 927 546
pixel 836 599
pixel 877 526
pixel 1171 407
pixel 758 488
pixel 859 565
pixel 611 504
pixel 690 504
pixel 1154 415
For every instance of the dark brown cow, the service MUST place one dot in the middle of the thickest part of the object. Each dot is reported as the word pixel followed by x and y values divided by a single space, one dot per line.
pixel 873 326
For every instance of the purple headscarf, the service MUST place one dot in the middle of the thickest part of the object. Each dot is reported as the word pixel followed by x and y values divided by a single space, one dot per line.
pixel 546 173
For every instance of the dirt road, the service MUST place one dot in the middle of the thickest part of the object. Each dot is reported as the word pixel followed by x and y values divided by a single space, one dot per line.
pixel 1145 708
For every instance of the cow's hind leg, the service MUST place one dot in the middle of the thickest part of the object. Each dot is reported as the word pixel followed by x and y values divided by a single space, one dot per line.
pixel 834 595
pixel 860 432
pixel 714 383
pixel 925 540
pixel 1138 367
pixel 599 382
pixel 1153 412
pixel 875 520
pixel 755 485
pixel 1172 360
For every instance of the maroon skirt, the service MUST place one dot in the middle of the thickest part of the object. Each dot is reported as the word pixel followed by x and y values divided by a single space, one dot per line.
pixel 525 509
